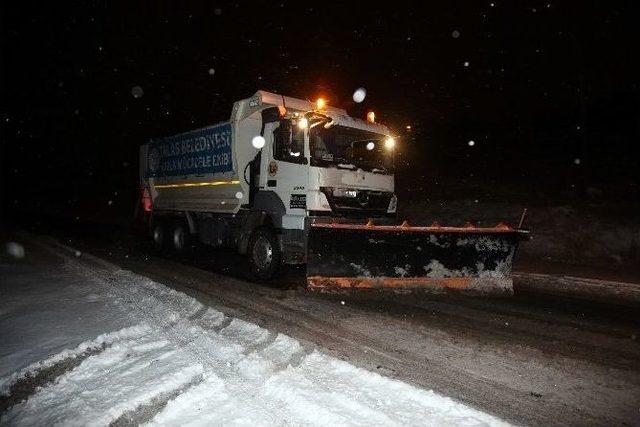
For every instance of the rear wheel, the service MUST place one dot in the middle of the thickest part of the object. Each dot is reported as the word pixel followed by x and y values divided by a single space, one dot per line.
pixel 264 253
pixel 180 238
pixel 157 233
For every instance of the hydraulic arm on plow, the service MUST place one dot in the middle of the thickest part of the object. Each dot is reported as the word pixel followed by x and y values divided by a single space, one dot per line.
pixel 402 257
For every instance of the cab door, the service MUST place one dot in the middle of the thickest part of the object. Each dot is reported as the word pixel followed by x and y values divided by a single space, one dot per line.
pixel 286 170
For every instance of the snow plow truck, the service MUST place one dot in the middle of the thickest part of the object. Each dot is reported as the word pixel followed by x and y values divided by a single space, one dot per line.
pixel 288 181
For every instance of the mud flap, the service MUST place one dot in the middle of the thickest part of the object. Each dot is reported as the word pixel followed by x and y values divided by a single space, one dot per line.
pixel 435 259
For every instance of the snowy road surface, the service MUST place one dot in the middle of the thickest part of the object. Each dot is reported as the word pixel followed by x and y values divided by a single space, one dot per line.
pixel 84 342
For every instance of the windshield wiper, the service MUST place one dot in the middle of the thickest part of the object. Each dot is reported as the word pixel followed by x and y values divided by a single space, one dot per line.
pixel 340 163
pixel 377 170
pixel 346 166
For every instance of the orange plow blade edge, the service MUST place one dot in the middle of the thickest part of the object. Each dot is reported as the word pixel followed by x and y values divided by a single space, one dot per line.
pixel 466 259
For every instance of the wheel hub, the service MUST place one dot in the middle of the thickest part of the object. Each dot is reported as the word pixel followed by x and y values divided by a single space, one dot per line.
pixel 263 252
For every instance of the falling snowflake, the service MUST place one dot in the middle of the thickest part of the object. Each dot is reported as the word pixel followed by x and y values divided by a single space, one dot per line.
pixel 576 161
pixel 455 34
pixel 471 143
pixel 359 95
pixel 16 250
pixel 211 71
pixel 466 63
pixel 137 92
pixel 258 142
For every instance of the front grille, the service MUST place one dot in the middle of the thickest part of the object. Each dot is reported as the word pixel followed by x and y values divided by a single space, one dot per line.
pixel 366 202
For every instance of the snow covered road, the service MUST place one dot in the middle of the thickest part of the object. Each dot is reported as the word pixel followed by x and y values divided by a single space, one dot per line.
pixel 84 342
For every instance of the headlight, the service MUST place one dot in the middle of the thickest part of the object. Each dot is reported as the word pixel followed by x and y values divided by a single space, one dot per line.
pixel 393 204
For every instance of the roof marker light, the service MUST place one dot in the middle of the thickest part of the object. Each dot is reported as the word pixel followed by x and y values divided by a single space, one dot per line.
pixel 371 117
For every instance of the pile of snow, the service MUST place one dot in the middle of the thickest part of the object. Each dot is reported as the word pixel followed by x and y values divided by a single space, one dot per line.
pixel 172 360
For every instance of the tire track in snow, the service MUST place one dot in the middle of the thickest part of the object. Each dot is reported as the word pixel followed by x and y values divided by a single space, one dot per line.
pixel 233 370
pixel 149 294
pixel 146 411
pixel 70 262
pixel 121 379
pixel 338 337
pixel 299 357
pixel 22 384
pixel 27 384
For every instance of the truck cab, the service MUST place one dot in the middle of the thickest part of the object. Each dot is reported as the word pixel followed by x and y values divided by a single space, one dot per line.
pixel 327 169
pixel 320 165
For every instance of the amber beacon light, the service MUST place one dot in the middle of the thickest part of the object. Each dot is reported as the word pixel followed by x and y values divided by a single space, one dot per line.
pixel 321 103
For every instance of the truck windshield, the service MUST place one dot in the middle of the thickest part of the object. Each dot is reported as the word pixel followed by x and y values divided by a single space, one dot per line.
pixel 349 148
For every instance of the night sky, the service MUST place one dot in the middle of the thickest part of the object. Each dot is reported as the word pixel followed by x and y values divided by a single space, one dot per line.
pixel 546 90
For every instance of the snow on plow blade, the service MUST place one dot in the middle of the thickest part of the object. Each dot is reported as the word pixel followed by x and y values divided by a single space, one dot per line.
pixel 435 259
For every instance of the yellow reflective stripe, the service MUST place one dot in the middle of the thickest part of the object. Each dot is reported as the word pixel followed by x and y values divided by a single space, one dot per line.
pixel 198 184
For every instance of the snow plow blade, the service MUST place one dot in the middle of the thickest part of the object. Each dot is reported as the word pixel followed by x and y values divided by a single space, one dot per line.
pixel 465 259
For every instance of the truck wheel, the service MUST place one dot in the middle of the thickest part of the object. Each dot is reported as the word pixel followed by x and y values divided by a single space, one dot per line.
pixel 157 233
pixel 180 238
pixel 264 253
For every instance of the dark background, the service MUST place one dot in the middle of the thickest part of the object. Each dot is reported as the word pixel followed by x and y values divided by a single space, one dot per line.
pixel 549 96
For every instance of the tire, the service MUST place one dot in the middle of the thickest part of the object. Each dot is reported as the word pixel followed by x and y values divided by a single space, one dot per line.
pixel 264 254
pixel 180 238
pixel 158 235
